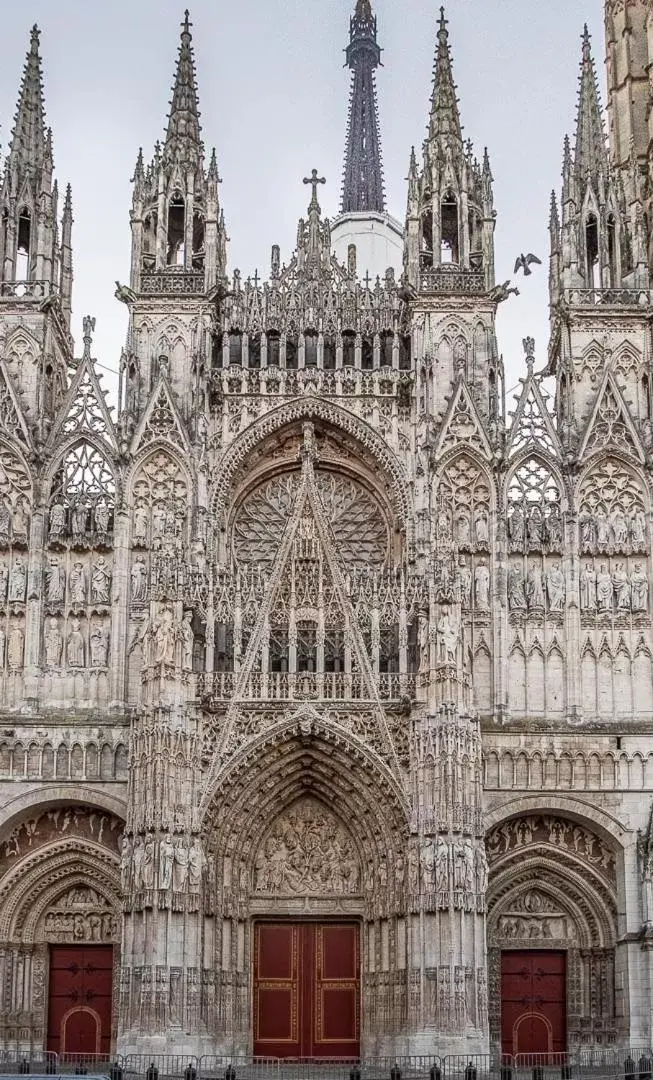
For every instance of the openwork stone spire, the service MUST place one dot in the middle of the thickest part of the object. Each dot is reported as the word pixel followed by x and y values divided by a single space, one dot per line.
pixel 444 123
pixel 363 176
pixel 183 143
pixel 30 143
pixel 591 154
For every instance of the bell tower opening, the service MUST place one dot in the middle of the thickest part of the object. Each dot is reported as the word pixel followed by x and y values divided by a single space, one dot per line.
pixel 450 244
pixel 23 245
pixel 592 251
pixel 176 230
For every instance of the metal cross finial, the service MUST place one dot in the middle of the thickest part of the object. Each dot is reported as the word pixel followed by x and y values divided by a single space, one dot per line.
pixel 314 180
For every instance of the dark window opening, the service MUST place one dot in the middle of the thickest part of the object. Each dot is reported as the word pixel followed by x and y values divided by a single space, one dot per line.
pixel 592 251
pixel 646 400
pixel 278 652
pixel 612 251
pixel 387 348
pixel 235 347
pixel 291 352
pixel 306 647
pixel 348 349
pixel 450 245
pixel 23 245
pixel 198 241
pixel 254 351
pixel 224 648
pixel 176 254
pixel 334 651
pixel 405 352
pixel 149 239
pixel 310 349
pixel 329 353
pixel 273 348
pixel 389 650
pixel 426 248
pixel 367 353
pixel 216 350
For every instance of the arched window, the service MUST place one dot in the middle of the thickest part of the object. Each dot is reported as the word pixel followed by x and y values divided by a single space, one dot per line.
pixel 254 351
pixel 450 239
pixel 348 348
pixel 405 348
pixel 592 251
pixel 310 348
pixel 367 353
pixel 306 646
pixel 291 351
pixel 198 241
pixel 612 251
pixel 646 399
pixel 83 498
pixel 426 248
pixel 235 347
pixel 149 239
pixel 387 347
pixel 176 254
pixel 273 348
pixel 329 353
pixel 23 245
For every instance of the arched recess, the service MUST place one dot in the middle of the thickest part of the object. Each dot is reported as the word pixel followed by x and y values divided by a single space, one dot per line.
pixel 553 887
pixel 305 777
pixel 362 438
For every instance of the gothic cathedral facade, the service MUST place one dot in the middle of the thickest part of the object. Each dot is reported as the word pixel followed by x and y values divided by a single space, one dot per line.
pixel 326 687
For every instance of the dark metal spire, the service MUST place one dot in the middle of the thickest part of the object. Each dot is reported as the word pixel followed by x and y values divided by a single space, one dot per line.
pixel 363 178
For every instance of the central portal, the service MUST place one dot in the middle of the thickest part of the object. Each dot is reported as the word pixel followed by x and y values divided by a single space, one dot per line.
pixel 307 990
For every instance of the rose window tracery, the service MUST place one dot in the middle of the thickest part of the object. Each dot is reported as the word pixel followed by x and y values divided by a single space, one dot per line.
pixel 355 519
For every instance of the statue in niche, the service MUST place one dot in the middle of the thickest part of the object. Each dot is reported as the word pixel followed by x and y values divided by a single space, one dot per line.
pixel 482 586
pixel 621 587
pixel 516 589
pixel 639 588
pixel 159 521
pixel 442 866
pixel 604 589
pixel 166 859
pixel 75 646
pixel 534 588
pixel 18 582
pixel 78 521
pixel 463 528
pixel 3 642
pixel 187 641
pixel 99 646
pixel 619 528
pixel 20 524
pixel 481 870
pixel 481 527
pixel 555 584
pixel 588 588
pixel 53 643
pixel 164 638
pixel 424 644
pixel 55 578
pixel 147 871
pixel 535 527
pixel 15 648
pixel 5 523
pixel 57 524
pixel 588 532
pixel 516 527
pixel 196 865
pixel 139 581
pixel 101 516
pixel 638 531
pixel 100 582
pixel 464 576
pixel 448 632
pixel 125 862
pixel 180 866
pixel 602 531
pixel 4 581
pixel 137 864
pixel 77 585
pixel 141 524
pixel 554 527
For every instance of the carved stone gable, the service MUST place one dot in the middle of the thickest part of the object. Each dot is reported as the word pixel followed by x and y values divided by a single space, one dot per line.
pixel 307 852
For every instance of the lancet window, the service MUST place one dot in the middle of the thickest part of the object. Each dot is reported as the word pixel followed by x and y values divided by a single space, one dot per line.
pixel 83 499
pixel 534 509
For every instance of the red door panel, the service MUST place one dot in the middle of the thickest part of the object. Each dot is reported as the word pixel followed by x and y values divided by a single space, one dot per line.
pixel 533 1002
pixel 79 1001
pixel 306 990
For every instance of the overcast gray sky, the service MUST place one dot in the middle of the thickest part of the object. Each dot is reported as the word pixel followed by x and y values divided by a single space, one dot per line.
pixel 273 96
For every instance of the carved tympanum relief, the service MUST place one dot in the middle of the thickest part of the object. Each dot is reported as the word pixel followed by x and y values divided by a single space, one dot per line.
pixel 307 852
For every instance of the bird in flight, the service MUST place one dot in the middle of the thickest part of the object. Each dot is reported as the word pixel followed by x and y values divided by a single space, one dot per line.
pixel 524 262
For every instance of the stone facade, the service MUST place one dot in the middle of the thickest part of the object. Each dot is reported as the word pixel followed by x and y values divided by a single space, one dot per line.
pixel 311 627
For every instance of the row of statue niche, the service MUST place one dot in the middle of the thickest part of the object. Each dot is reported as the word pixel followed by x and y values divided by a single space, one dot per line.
pixel 471 532
pixel 606 590
pixel 458 865
pixel 613 532
pixel 14 523
pixel 13 583
pixel 78 583
pixel 160 636
pixel 76 651
pixel 176 865
pixel 163 522
pixel 12 648
pixel 477 584
pixel 532 528
pixel 80 522
pixel 537 589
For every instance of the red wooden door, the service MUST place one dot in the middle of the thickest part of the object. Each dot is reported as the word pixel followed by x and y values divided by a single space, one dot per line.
pixel 79 1002
pixel 533 1002
pixel 306 990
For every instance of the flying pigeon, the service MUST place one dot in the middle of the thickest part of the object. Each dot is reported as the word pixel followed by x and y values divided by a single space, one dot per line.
pixel 524 262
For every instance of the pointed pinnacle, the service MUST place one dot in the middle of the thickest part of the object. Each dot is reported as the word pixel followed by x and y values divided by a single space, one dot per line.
pixel 29 142
pixel 445 117
pixel 183 139
pixel 363 11
pixel 590 157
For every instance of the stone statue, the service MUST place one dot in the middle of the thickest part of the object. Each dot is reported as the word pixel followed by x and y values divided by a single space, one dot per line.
pixel 78 521
pixel 99 646
pixel 516 589
pixel 75 646
pixel 139 581
pixel 166 859
pixel 463 528
pixel 442 866
pixel 424 644
pixel 619 529
pixel 53 643
pixel 621 587
pixel 17 582
pixel 555 585
pixel 196 864
pixel 588 588
pixel 604 589
pixel 588 533
pixel 448 632
pixel 5 523
pixel 164 638
pixel 180 866
pixel 481 528
pixel 481 870
pixel 147 871
pixel 15 648
pixel 57 525
pixel 638 531
pixel 20 524
pixel 101 516
pixel 100 582
pixel 76 585
pixel 534 588
pixel 55 582
pixel 125 862
pixel 141 525
pixel 639 589
pixel 602 531
pixel 187 641
pixel 464 576
pixel 482 586
pixel 4 581
pixel 137 864
pixel 516 527
pixel 3 642
pixel 554 527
